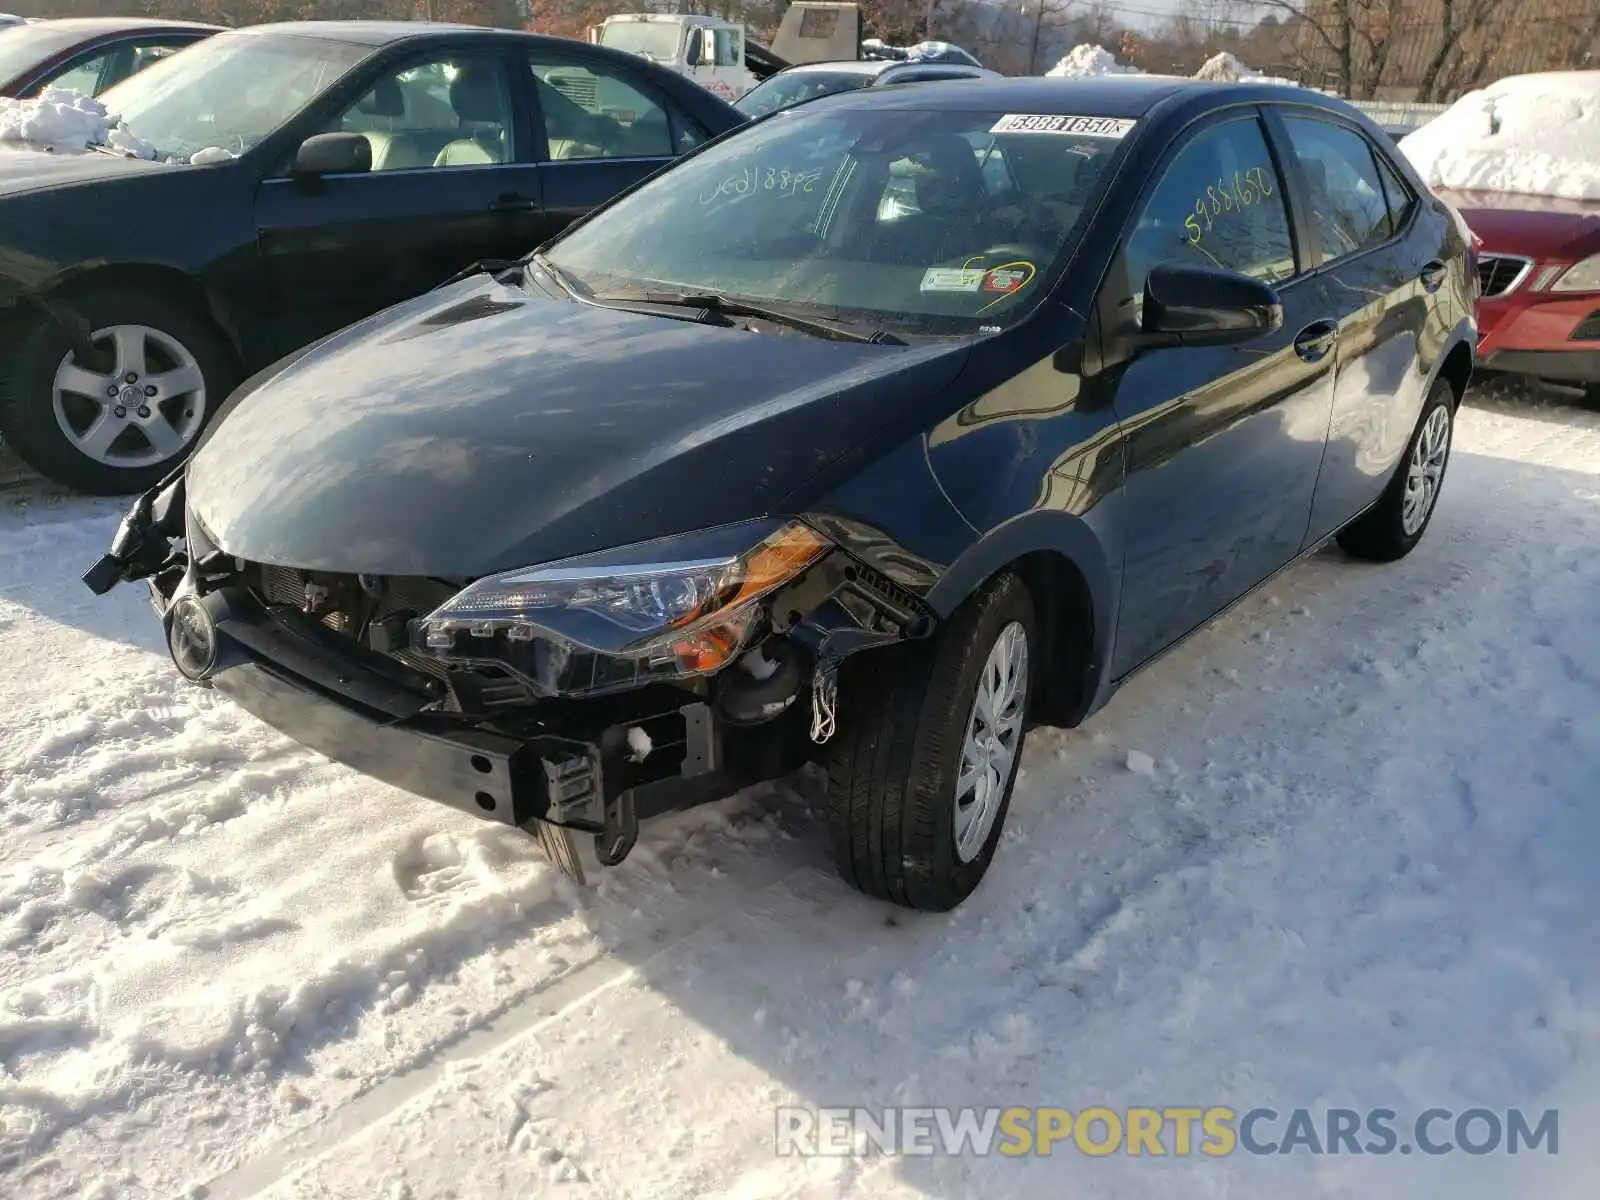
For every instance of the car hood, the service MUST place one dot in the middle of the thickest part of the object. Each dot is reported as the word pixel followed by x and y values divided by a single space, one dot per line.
pixel 1536 226
pixel 481 428
pixel 29 166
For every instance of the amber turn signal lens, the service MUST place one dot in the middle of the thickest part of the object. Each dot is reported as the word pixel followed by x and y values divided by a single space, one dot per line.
pixel 777 560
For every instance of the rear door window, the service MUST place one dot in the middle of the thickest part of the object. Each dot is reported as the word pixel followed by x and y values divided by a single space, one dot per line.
pixel 1347 201
pixel 1399 196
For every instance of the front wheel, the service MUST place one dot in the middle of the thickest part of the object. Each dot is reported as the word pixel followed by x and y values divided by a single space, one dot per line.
pixel 930 737
pixel 115 415
pixel 1390 529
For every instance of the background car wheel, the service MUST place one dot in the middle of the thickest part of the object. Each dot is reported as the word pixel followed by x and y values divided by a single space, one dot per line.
pixel 116 420
pixel 930 736
pixel 1392 528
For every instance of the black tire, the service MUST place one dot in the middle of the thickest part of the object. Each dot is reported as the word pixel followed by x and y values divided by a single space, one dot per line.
pixel 1591 394
pixel 1379 534
pixel 37 347
pixel 903 714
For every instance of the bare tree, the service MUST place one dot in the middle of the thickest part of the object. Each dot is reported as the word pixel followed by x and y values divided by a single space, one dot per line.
pixel 1374 26
pixel 1327 34
pixel 1041 14
pixel 1461 52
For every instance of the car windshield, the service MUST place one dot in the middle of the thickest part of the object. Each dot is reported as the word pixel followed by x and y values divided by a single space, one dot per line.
pixel 653 39
pixel 784 91
pixel 229 91
pixel 26 46
pixel 914 221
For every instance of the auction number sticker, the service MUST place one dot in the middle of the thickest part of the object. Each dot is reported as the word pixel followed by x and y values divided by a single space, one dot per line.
pixel 1095 127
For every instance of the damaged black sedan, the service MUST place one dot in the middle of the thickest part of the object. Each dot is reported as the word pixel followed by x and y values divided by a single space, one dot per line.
pixel 873 434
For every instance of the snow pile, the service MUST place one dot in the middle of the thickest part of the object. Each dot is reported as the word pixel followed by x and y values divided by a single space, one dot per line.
pixel 1533 134
pixel 57 117
pixel 1229 68
pixel 62 119
pixel 1088 61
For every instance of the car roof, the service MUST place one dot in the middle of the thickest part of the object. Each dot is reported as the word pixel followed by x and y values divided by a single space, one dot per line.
pixel 844 66
pixel 90 26
pixel 374 33
pixel 1112 96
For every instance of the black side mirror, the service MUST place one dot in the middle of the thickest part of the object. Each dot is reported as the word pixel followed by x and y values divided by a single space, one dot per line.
pixel 1206 306
pixel 332 154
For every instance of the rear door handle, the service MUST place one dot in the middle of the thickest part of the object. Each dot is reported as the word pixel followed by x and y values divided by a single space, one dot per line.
pixel 511 202
pixel 1314 341
pixel 1432 275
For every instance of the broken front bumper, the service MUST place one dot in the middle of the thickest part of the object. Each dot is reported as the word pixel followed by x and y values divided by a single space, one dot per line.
pixel 568 764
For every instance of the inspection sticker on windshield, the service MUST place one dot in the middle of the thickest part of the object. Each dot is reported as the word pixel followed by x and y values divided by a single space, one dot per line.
pixel 1095 127
pixel 953 279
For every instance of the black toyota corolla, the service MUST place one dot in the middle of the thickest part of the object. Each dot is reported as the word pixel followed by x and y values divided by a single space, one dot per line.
pixel 873 434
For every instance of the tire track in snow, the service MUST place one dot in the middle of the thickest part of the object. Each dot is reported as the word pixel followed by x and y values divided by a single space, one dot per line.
pixel 573 988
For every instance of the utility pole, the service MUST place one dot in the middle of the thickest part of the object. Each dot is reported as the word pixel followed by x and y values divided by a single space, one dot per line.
pixel 1033 48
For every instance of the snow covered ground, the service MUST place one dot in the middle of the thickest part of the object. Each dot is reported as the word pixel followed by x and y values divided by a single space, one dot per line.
pixel 1340 849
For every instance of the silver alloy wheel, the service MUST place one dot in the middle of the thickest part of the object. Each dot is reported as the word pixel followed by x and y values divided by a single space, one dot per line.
pixel 994 734
pixel 146 410
pixel 1425 470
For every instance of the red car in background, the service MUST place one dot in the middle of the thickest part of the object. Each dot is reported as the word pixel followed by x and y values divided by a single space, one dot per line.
pixel 1520 161
pixel 1539 269
pixel 87 54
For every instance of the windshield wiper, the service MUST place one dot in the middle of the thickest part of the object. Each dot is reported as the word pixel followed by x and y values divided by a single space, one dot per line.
pixel 723 306
pixel 538 259
pixel 484 266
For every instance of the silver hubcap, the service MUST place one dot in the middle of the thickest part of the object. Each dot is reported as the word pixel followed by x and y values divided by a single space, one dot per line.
pixel 1425 470
pixel 994 733
pixel 145 410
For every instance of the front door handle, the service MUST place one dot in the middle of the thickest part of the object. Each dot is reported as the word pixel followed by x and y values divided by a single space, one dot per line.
pixel 511 202
pixel 1432 275
pixel 1314 341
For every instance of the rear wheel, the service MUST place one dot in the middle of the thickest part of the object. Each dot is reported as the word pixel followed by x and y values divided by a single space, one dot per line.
pixel 116 416
pixel 1391 529
pixel 930 736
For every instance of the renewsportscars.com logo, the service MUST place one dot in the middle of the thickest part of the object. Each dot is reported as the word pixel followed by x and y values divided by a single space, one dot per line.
pixel 1214 1132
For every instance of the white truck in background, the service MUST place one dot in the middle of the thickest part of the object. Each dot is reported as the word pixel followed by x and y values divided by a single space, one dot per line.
pixel 720 55
pixel 708 50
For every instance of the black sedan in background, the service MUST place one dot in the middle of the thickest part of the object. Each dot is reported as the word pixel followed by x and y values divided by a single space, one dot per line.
pixel 89 54
pixel 875 433
pixel 274 184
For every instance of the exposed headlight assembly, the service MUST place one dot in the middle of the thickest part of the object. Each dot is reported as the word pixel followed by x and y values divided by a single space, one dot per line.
pixel 657 611
pixel 1581 276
